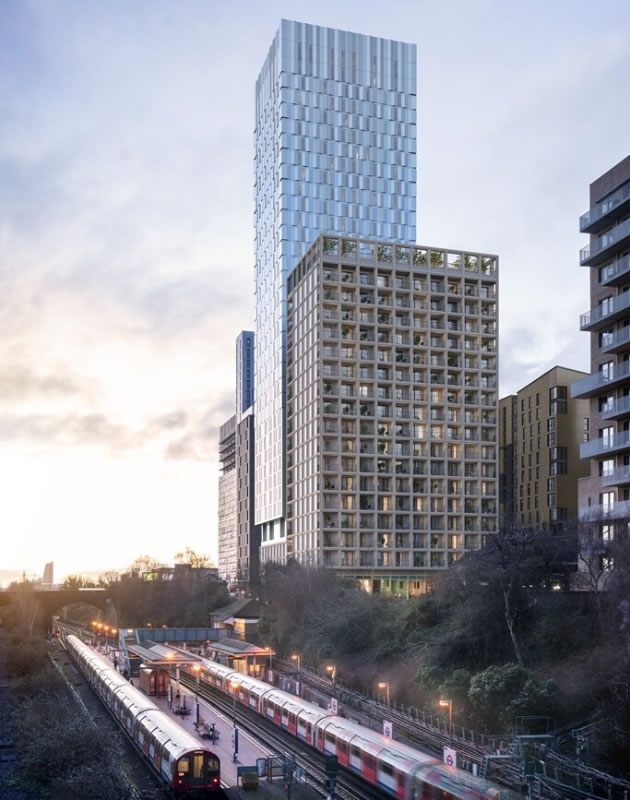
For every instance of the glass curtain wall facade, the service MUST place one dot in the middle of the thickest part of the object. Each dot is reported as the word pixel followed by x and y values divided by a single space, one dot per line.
pixel 335 151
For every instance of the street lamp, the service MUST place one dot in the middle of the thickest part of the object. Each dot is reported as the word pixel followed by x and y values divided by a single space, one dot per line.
pixel 384 685
pixel 297 658
pixel 448 704
pixel 333 673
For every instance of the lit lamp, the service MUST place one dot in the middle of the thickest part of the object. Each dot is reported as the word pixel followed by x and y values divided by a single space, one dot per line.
pixel 384 685
pixel 297 658
pixel 448 704
pixel 333 672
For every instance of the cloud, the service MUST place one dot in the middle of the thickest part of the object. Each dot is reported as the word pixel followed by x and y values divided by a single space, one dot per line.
pixel 20 383
pixel 196 432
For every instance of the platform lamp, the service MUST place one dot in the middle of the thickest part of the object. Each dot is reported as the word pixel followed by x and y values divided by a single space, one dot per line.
pixel 384 685
pixel 196 668
pixel 448 704
pixel 234 686
pixel 297 659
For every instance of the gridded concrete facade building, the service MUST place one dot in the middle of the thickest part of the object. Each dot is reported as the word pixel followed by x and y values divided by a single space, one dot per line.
pixel 391 409
pixel 540 433
pixel 248 555
pixel 335 151
pixel 227 502
pixel 606 492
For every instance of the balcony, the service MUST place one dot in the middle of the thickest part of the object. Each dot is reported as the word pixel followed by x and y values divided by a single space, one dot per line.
pixel 613 241
pixel 600 381
pixel 619 407
pixel 612 207
pixel 605 445
pixel 619 477
pixel 616 510
pixel 616 272
pixel 602 315
pixel 617 341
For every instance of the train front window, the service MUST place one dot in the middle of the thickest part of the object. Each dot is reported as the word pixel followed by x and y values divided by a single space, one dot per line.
pixel 212 763
pixel 198 766
pixel 183 765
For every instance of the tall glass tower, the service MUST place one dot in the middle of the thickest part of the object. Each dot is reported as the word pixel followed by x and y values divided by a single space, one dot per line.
pixel 335 152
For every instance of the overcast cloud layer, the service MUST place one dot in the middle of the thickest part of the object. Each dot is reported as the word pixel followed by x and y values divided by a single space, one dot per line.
pixel 126 242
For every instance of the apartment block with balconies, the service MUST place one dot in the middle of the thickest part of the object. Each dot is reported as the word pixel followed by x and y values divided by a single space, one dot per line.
pixel 540 432
pixel 606 490
pixel 391 409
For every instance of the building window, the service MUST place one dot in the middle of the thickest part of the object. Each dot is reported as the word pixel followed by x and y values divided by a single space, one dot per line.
pixel 557 400
pixel 607 501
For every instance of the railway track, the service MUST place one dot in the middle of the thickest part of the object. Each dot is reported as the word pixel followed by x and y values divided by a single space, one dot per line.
pixel 309 761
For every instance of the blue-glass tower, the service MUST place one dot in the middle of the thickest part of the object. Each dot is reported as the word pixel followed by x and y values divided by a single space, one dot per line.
pixel 335 151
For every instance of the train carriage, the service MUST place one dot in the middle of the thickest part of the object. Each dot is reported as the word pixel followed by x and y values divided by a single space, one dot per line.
pixel 178 758
pixel 307 721
pixel 218 674
pixel 448 783
pixel 251 691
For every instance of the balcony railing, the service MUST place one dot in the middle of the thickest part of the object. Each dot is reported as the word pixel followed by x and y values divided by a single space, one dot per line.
pixel 594 217
pixel 616 272
pixel 593 384
pixel 619 407
pixel 604 313
pixel 612 510
pixel 604 445
pixel 619 477
pixel 595 253
pixel 614 342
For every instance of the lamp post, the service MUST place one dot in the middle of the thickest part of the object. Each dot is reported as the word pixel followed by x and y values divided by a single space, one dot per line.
pixel 448 704
pixel 234 686
pixel 196 668
pixel 384 685
pixel 297 658
pixel 333 673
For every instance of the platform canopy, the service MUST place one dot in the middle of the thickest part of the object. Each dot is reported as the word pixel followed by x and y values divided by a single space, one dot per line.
pixel 161 655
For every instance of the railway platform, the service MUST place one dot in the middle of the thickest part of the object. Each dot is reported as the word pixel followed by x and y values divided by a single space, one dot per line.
pixel 211 718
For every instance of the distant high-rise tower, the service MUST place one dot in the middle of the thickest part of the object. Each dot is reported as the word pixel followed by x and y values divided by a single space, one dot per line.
pixel 335 151
pixel 48 577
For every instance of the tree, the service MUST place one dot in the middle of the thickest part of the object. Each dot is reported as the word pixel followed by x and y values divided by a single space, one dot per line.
pixel 500 693
pixel 24 606
pixel 144 563
pixel 109 578
pixel 603 559
pixel 514 560
pixel 76 582
pixel 198 560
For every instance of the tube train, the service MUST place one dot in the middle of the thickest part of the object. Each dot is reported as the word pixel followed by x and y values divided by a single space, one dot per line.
pixel 177 757
pixel 398 769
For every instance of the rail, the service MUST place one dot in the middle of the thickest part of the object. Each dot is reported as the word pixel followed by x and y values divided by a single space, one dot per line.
pixel 311 763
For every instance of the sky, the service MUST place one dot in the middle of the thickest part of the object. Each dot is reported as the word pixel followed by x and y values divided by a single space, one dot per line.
pixel 126 230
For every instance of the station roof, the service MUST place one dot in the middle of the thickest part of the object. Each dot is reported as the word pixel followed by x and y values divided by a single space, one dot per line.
pixel 243 608
pixel 236 648
pixel 161 655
